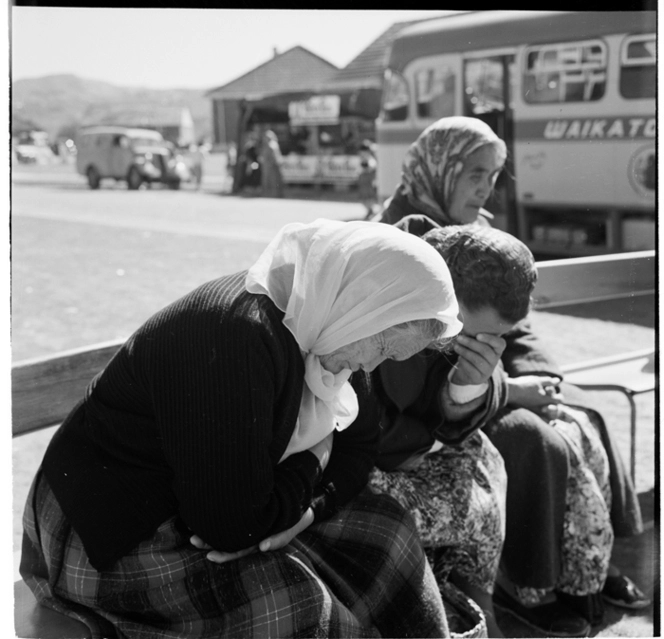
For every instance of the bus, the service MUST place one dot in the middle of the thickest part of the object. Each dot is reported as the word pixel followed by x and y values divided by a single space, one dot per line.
pixel 573 96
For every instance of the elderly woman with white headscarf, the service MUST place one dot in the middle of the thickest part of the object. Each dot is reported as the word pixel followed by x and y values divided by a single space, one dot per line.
pixel 226 422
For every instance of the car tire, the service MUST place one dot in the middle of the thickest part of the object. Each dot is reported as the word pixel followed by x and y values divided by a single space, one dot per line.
pixel 134 179
pixel 174 185
pixel 94 179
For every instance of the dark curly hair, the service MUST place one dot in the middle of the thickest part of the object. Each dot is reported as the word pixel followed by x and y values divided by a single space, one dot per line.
pixel 488 267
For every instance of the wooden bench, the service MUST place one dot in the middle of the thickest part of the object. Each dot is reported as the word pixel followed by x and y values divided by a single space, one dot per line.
pixel 44 389
pixel 43 392
pixel 619 277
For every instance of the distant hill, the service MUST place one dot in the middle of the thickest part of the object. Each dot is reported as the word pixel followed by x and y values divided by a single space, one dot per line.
pixel 58 104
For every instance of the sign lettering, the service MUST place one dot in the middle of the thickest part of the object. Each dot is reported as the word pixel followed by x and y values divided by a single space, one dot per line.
pixel 330 169
pixel 616 128
pixel 318 109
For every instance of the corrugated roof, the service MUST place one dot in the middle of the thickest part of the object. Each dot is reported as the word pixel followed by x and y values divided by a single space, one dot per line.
pixel 297 69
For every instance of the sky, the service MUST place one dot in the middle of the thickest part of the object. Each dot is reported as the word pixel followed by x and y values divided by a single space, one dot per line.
pixel 183 48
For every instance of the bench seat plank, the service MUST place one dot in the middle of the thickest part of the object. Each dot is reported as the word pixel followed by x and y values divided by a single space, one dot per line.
pixel 32 621
pixel 634 372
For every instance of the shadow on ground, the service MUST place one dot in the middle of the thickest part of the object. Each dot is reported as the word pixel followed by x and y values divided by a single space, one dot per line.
pixel 638 558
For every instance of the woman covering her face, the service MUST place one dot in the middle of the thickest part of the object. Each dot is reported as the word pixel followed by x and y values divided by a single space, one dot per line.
pixel 226 423
pixel 448 173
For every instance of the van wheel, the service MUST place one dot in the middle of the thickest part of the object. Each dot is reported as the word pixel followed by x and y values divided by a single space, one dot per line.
pixel 134 179
pixel 93 177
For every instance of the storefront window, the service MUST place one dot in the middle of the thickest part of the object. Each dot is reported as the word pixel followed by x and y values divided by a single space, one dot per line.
pixel 434 92
pixel 395 97
pixel 638 73
pixel 565 72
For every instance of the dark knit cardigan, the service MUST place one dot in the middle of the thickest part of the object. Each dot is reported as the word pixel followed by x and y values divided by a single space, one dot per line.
pixel 190 419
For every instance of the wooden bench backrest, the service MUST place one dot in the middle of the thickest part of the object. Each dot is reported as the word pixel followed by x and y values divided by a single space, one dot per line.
pixel 44 390
pixel 594 279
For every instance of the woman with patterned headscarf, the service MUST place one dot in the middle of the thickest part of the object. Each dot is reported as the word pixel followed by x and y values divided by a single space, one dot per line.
pixel 448 173
pixel 553 567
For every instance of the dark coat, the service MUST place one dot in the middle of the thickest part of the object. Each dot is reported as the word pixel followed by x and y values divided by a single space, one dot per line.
pixel 190 419
pixel 412 416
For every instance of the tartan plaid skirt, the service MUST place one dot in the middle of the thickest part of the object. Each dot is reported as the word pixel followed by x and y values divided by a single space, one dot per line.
pixel 362 573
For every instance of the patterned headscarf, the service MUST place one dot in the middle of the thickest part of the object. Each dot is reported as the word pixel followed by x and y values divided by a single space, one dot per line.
pixel 434 162
pixel 337 283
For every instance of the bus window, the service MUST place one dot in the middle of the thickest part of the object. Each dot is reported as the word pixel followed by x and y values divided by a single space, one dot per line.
pixel 565 72
pixel 484 86
pixel 637 67
pixel 395 97
pixel 434 92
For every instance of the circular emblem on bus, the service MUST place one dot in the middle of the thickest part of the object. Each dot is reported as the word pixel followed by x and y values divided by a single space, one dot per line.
pixel 642 171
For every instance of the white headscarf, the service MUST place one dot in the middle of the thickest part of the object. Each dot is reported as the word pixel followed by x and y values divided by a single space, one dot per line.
pixel 339 282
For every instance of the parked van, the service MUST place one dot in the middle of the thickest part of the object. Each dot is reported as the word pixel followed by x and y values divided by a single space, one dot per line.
pixel 134 155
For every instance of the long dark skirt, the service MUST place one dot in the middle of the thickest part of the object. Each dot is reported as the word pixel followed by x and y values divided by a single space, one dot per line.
pixel 540 494
pixel 361 573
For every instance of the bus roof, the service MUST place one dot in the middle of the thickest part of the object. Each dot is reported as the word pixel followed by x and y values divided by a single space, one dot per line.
pixel 479 30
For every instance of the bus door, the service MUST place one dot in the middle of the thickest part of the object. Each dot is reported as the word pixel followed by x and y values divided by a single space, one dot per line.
pixel 487 95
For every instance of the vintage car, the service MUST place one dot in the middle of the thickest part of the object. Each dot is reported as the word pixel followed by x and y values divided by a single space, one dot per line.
pixel 137 156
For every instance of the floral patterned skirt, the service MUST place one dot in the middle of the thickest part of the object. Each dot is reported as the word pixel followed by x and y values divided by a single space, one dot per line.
pixel 457 498
pixel 587 539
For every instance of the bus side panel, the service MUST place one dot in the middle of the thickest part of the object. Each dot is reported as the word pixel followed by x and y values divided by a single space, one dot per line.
pixel 596 153
pixel 611 173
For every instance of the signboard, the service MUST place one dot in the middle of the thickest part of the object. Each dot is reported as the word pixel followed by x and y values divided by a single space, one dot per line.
pixel 320 169
pixel 318 109
pixel 299 168
pixel 339 168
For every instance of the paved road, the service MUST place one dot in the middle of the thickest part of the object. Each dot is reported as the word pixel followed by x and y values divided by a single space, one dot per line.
pixel 64 196
pixel 76 251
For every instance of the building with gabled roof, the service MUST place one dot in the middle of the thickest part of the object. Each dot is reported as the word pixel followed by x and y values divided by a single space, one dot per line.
pixel 293 71
pixel 262 94
pixel 315 109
